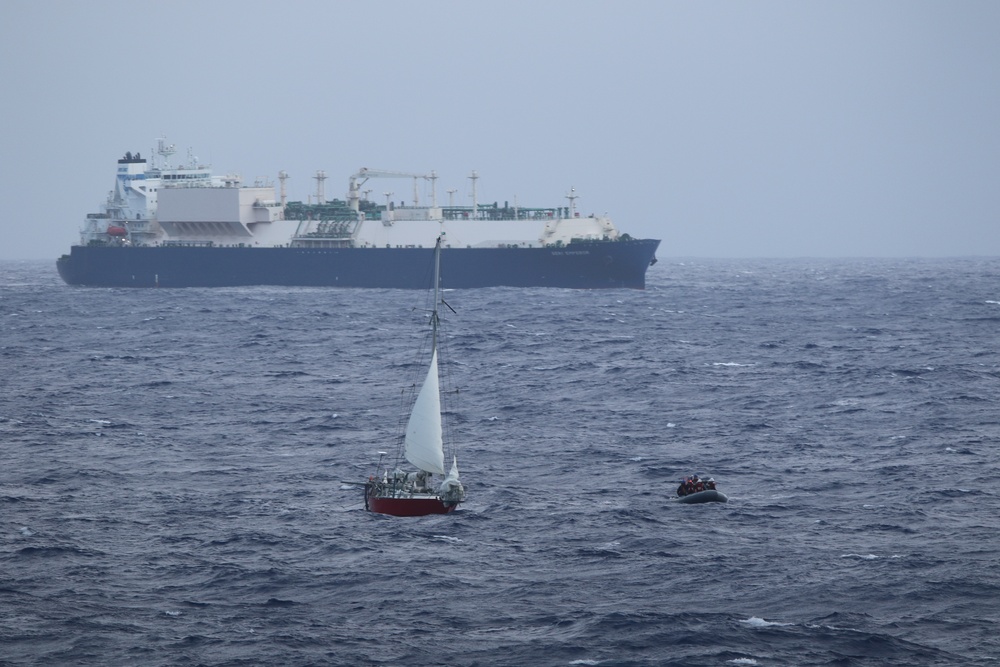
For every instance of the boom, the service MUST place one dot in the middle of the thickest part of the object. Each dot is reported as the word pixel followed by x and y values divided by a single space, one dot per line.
pixel 359 179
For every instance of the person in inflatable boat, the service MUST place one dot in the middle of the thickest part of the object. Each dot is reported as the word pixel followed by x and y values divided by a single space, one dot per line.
pixel 693 484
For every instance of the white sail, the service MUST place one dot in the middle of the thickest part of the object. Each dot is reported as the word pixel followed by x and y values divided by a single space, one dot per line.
pixel 424 444
pixel 451 484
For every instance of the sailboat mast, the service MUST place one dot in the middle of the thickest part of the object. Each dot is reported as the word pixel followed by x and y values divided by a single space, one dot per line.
pixel 437 284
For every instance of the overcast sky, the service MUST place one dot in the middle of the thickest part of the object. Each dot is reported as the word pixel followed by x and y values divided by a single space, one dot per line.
pixel 726 129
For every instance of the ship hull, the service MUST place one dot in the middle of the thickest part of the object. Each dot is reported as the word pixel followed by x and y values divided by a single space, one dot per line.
pixel 592 265
pixel 408 506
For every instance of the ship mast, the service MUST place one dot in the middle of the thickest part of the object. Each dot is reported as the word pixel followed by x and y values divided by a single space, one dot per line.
pixel 283 176
pixel 165 151
pixel 572 197
pixel 320 186
pixel 475 201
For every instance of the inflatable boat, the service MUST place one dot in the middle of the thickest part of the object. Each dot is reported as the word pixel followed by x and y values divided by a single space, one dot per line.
pixel 706 496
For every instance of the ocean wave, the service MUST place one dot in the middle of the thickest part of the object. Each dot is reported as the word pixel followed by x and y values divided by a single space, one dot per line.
pixel 209 523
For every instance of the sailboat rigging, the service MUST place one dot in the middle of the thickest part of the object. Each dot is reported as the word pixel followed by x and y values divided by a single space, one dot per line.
pixel 417 493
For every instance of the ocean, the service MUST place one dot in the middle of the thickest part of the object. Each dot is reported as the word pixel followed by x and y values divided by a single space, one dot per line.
pixel 172 481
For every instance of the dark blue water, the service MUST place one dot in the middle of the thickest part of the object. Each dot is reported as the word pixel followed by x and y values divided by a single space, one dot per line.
pixel 170 484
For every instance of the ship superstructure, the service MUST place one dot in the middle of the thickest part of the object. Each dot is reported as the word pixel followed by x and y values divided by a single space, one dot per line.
pixel 156 202
pixel 159 205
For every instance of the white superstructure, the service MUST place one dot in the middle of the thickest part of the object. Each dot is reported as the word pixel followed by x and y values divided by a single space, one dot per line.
pixel 158 203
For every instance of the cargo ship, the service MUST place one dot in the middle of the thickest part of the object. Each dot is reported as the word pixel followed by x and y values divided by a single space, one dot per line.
pixel 166 225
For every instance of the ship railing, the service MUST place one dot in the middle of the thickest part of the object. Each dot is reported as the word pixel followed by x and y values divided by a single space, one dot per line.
pixel 189 244
pixel 506 212
pixel 301 242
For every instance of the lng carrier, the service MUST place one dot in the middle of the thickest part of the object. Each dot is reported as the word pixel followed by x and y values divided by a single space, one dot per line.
pixel 184 226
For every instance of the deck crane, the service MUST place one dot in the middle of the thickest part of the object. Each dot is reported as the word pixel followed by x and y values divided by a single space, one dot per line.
pixel 358 179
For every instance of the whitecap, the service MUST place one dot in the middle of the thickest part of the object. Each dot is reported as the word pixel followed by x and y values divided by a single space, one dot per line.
pixel 731 363
pixel 447 538
pixel 761 623
pixel 26 532
pixel 671 425
pixel 742 661
pixel 847 402
pixel 861 556
pixel 584 661
pixel 172 613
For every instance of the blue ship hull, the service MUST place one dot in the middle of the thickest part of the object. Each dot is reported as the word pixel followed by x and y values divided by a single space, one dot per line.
pixel 588 265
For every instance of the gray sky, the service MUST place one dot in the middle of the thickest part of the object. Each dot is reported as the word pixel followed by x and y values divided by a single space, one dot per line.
pixel 726 129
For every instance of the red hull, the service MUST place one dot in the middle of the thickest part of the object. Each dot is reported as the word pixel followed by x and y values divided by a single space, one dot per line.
pixel 408 506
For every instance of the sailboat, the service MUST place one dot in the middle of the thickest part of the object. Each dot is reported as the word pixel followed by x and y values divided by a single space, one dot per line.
pixel 419 493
